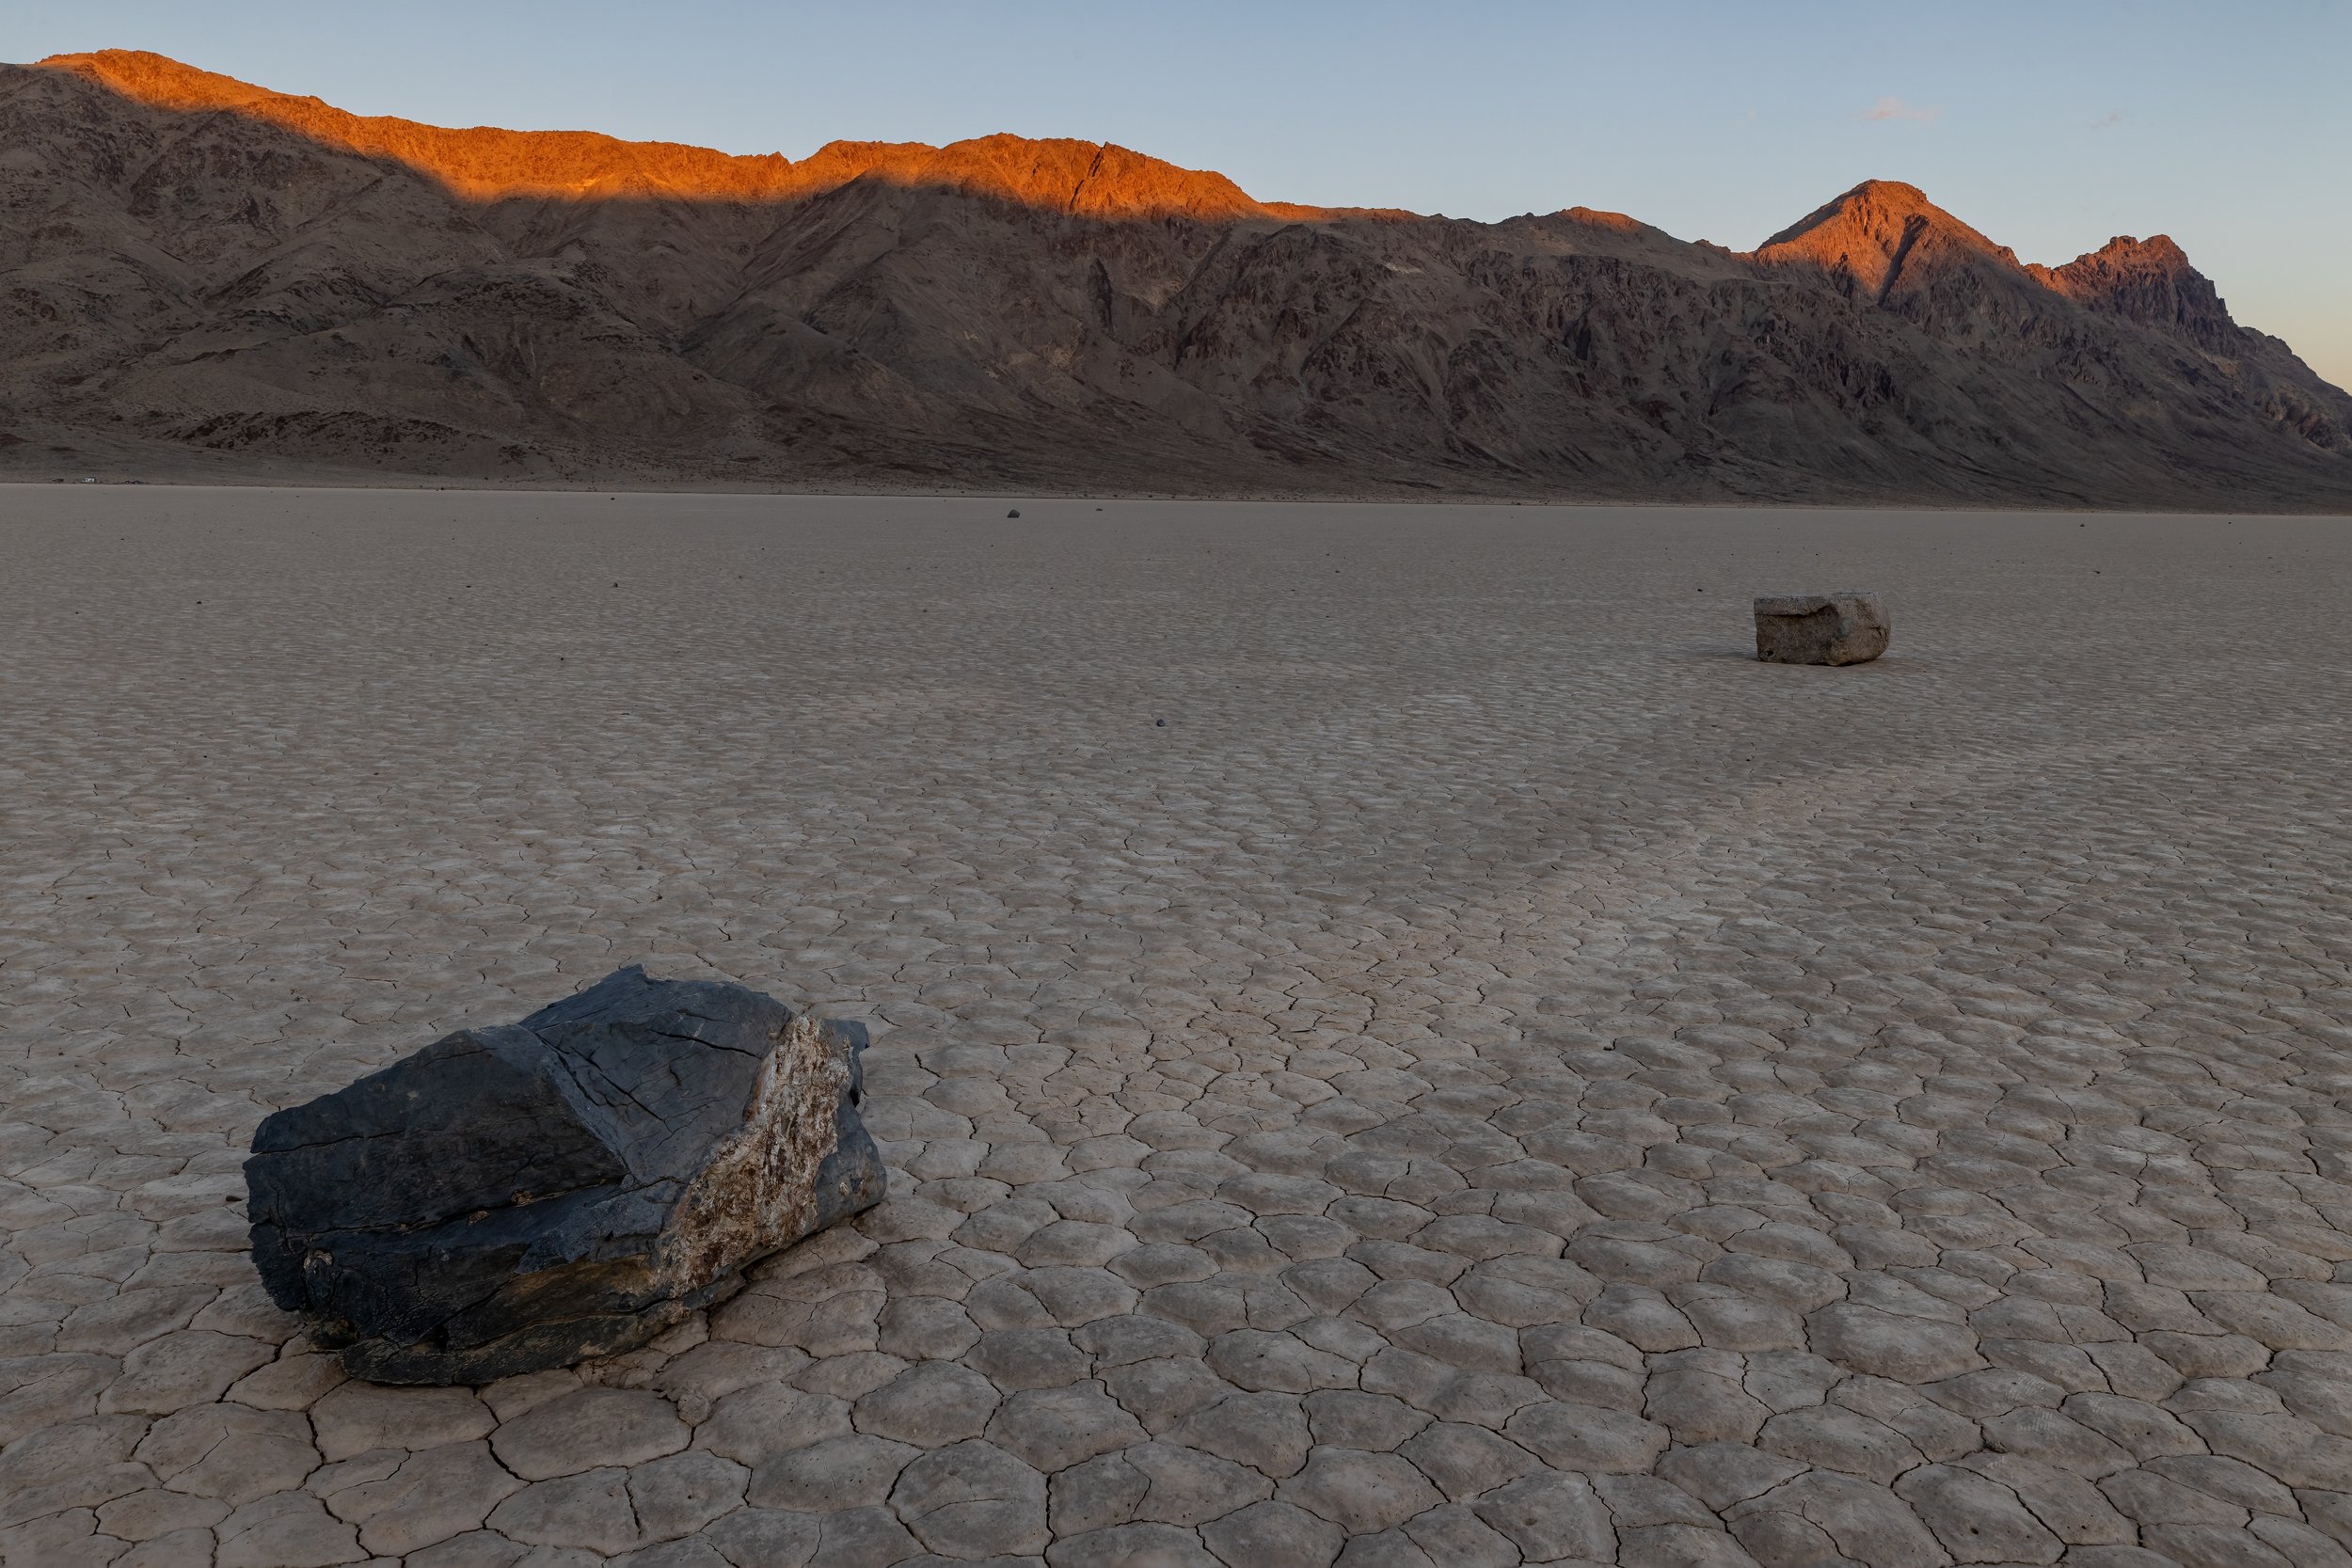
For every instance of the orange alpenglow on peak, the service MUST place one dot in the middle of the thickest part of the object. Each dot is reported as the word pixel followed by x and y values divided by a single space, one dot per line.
pixel 1616 223
pixel 1876 230
pixel 482 164
pixel 1879 234
pixel 2122 257
pixel 2148 280
pixel 486 164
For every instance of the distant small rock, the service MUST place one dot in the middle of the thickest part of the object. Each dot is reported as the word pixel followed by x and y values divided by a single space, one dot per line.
pixel 1820 628
pixel 1014 513
pixel 515 1198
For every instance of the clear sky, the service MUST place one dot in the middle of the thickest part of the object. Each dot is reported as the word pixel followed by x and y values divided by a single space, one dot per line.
pixel 2051 125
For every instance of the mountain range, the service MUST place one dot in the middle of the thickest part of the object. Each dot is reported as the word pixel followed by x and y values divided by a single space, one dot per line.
pixel 200 277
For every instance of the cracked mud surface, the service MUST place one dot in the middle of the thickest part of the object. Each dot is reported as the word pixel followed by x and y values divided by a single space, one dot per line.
pixel 1498 1077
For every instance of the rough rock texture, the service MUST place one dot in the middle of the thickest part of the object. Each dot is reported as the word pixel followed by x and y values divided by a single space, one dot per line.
pixel 203 276
pixel 515 1198
pixel 1820 628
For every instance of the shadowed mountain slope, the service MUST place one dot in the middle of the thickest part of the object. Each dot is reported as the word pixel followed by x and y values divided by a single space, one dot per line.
pixel 195 270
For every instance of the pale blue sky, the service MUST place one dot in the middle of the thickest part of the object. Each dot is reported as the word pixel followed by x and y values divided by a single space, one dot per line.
pixel 2050 126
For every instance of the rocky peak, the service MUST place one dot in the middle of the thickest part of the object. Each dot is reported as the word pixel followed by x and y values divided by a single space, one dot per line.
pixel 1879 235
pixel 1616 223
pixel 2149 281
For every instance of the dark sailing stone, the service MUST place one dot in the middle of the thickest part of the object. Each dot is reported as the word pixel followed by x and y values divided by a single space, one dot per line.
pixel 515 1198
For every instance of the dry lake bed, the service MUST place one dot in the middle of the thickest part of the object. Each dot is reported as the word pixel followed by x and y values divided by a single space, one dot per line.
pixel 1397 1041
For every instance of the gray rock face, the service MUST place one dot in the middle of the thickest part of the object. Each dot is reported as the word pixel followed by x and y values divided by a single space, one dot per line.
pixel 1820 628
pixel 514 1199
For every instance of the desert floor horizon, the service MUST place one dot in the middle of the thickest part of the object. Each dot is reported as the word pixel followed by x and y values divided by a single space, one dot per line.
pixel 330 482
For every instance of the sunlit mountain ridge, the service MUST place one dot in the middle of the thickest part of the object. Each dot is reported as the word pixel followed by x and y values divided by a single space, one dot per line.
pixel 202 271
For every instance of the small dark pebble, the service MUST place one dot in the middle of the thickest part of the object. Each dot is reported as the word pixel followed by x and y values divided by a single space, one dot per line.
pixel 1161 723
pixel 1014 513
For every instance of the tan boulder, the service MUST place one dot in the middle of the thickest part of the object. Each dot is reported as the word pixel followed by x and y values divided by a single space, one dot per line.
pixel 1820 628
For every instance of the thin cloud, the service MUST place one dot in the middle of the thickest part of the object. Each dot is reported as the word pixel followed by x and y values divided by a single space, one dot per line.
pixel 2113 116
pixel 1895 108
